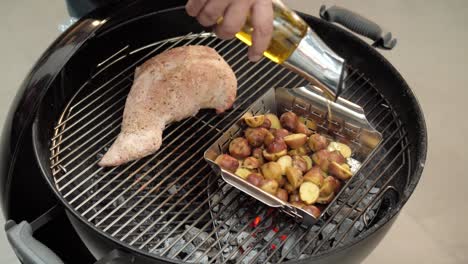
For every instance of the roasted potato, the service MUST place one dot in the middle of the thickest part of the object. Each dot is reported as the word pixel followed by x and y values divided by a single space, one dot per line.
pixel 271 170
pixel 282 194
pixel 273 156
pixel 252 163
pixel 317 142
pixel 309 123
pixel 303 129
pixel 239 148
pixel 313 210
pixel 308 160
pixel 280 133
pixel 274 121
pixel 294 198
pixel 300 163
pixel 320 158
pixel 243 173
pixel 295 141
pixel 340 171
pixel 255 179
pixel 335 156
pixel 315 176
pixel 309 192
pixel 294 176
pixel 325 199
pixel 289 188
pixel 269 138
pixel 344 149
pixel 227 162
pixel 266 123
pixel 289 120
pixel 270 186
pixel 256 136
pixel 330 185
pixel 258 154
pixel 254 121
pixel 276 149
pixel 284 162
pixel 301 151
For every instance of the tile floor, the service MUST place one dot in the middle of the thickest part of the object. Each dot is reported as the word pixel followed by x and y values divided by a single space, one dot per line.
pixel 431 55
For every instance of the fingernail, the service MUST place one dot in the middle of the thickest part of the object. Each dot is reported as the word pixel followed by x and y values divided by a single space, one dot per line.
pixel 255 58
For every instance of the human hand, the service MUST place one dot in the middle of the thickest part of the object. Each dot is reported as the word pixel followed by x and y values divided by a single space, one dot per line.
pixel 234 14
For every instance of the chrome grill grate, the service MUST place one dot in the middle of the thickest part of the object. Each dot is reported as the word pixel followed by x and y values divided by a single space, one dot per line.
pixel 171 204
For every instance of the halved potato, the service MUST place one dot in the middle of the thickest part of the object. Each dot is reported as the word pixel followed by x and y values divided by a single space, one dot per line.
pixel 325 199
pixel 272 170
pixel 340 171
pixel 294 176
pixel 301 128
pixel 308 160
pixel 285 162
pixel 295 141
pixel 270 186
pixel 273 156
pixel 309 192
pixel 255 179
pixel 227 162
pixel 243 173
pixel 254 121
pixel 344 149
pixel 315 176
pixel 282 194
pixel 274 120
pixel 301 151
pixel 317 142
pixel 252 163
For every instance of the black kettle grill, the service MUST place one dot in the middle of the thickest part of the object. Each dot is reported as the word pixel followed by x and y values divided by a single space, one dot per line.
pixel 170 207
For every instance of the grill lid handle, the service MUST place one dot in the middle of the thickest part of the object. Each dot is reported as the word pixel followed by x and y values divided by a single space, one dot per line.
pixel 360 25
pixel 26 247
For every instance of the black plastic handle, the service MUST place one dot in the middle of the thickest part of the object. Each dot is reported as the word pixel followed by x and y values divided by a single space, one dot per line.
pixel 359 25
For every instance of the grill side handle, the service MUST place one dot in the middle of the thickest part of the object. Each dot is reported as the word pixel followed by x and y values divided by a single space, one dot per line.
pixel 360 25
pixel 26 247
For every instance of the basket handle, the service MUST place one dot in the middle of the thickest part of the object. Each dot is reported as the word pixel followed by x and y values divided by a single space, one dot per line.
pixel 360 25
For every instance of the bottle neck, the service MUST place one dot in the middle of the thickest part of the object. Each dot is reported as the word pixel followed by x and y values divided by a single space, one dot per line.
pixel 316 62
